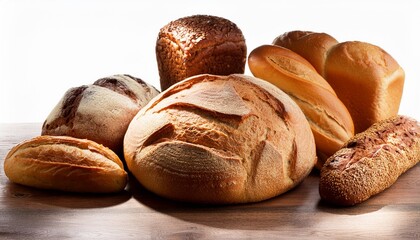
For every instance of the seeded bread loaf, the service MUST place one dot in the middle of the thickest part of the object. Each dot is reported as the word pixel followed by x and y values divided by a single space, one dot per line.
pixel 199 44
pixel 371 161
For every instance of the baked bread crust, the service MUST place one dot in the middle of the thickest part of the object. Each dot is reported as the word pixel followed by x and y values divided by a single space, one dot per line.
pixel 365 77
pixel 100 112
pixel 66 164
pixel 310 45
pixel 368 81
pixel 199 44
pixel 371 161
pixel 330 120
pixel 219 140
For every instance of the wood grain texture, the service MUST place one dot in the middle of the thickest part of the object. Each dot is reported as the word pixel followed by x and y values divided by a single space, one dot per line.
pixel 27 213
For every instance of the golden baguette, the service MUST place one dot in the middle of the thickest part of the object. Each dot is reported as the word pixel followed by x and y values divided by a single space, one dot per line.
pixel 330 121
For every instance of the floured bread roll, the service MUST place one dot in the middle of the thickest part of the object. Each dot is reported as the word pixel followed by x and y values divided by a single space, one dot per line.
pixel 220 139
pixel 199 44
pixel 100 112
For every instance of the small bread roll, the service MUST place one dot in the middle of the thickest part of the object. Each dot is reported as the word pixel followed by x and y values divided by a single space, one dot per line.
pixel 365 77
pixel 220 139
pixel 199 44
pixel 100 112
pixel 66 164
pixel 371 161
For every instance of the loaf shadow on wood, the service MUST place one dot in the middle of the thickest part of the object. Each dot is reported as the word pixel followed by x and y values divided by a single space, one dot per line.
pixel 362 208
pixel 284 210
pixel 63 199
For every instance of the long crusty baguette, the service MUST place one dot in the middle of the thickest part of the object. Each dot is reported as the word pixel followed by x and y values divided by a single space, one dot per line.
pixel 366 78
pixel 330 121
pixel 371 161
pixel 66 164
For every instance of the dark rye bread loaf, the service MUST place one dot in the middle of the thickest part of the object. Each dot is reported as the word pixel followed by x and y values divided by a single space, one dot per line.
pixel 371 161
pixel 100 112
pixel 199 44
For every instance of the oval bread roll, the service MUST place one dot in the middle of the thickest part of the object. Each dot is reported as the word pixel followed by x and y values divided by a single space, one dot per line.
pixel 220 139
pixel 66 164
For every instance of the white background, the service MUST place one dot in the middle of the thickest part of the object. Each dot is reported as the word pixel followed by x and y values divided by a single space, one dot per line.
pixel 46 47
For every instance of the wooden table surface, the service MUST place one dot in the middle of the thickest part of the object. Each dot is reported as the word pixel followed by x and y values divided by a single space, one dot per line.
pixel 27 213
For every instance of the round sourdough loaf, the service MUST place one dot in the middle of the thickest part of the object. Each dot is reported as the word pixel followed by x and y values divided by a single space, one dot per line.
pixel 219 140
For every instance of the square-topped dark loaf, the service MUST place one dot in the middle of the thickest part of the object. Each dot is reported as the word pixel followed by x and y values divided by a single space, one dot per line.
pixel 199 44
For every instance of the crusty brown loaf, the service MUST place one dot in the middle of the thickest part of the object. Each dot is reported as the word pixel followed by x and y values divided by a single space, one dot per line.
pixel 310 45
pixel 330 121
pixel 371 161
pixel 199 44
pixel 100 112
pixel 220 139
pixel 65 163
pixel 368 81
pixel 365 77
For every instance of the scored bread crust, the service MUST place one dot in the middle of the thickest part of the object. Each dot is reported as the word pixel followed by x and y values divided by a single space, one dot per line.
pixel 330 120
pixel 220 139
pixel 371 161
pixel 199 44
pixel 101 111
pixel 65 163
